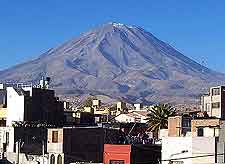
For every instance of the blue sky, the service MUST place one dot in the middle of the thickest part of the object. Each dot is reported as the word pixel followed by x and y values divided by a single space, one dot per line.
pixel 194 27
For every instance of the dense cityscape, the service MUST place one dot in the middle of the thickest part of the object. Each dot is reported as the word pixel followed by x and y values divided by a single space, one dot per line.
pixel 44 129
pixel 112 82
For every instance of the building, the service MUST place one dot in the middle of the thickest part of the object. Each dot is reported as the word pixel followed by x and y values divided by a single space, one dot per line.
pixel 179 126
pixel 132 154
pixel 194 141
pixel 78 118
pixel 197 137
pixel 18 142
pixel 131 117
pixel 33 104
pixel 96 103
pixel 3 115
pixel 138 107
pixel 3 105
pixel 214 102
pixel 121 108
pixel 102 110
pixel 84 144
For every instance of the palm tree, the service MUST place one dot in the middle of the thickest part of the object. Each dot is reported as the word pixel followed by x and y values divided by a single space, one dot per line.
pixel 157 117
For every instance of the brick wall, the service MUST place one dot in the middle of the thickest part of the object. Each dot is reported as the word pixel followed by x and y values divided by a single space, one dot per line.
pixel 174 126
pixel 203 123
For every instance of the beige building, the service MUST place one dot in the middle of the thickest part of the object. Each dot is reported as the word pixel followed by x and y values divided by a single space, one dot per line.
pixel 214 102
pixel 3 115
pixel 194 141
pixel 96 103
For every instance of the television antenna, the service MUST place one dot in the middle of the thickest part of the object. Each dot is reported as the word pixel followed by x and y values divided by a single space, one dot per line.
pixel 203 63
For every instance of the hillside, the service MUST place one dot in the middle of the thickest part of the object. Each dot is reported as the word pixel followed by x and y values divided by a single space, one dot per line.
pixel 119 62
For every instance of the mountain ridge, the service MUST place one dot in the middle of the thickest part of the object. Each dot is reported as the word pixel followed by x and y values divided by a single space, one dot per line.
pixel 121 61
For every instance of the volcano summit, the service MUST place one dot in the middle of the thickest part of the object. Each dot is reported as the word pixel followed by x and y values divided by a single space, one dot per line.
pixel 121 62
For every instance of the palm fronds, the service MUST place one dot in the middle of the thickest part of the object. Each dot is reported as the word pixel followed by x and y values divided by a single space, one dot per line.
pixel 158 117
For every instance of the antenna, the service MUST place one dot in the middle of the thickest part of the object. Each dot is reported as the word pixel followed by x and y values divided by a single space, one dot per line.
pixel 203 87
pixel 44 82
pixel 203 63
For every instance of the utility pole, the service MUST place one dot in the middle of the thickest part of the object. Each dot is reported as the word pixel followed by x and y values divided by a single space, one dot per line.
pixel 18 151
pixel 43 151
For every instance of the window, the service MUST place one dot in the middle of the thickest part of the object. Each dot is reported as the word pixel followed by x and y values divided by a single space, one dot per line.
pixel 54 136
pixel 200 132
pixel 186 123
pixel 7 138
pixel 59 159
pixel 215 91
pixel 116 162
pixel 216 105
pixel 207 107
pixel 52 159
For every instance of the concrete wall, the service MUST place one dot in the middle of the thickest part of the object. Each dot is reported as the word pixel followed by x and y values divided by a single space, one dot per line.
pixel 138 106
pixel 35 105
pixel 174 126
pixel 124 118
pixel 55 147
pixel 117 152
pixel 175 148
pixel 81 144
pixel 203 123
pixel 15 106
pixel 221 143
pixel 172 148
pixel 203 146
pixel 3 112
pixel 217 112
pixel 120 106
pixel 10 145
pixel 45 107
pixel 163 133
pixel 96 103
pixel 26 159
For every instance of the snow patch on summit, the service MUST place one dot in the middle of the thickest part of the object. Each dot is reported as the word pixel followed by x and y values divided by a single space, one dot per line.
pixel 119 25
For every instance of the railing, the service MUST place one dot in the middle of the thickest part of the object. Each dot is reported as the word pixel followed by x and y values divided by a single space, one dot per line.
pixel 18 85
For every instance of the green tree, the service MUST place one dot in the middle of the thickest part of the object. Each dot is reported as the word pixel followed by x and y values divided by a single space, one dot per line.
pixel 157 117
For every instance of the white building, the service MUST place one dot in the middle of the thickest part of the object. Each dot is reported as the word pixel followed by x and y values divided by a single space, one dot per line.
pixel 30 141
pixel 214 102
pixel 33 104
pixel 189 150
pixel 204 143
pixel 196 140
pixel 15 104
pixel 135 116
pixel 138 107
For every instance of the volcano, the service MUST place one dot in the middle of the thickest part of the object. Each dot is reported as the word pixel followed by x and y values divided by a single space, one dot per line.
pixel 120 62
